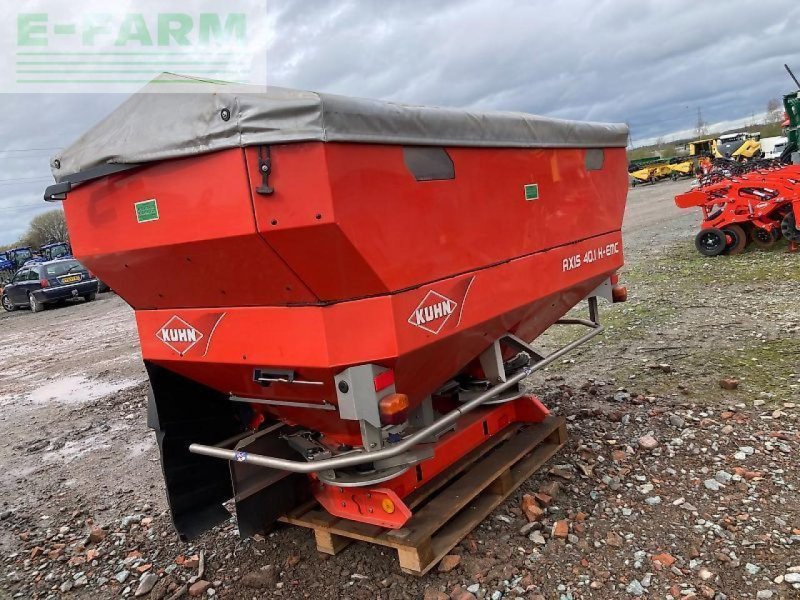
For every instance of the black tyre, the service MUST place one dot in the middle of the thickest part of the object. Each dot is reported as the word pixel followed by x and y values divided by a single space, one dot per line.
pixel 786 155
pixel 90 297
pixel 710 242
pixel 36 305
pixel 7 304
pixel 789 228
pixel 738 239
pixel 764 239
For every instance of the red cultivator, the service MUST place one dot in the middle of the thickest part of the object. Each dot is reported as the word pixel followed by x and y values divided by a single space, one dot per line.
pixel 759 203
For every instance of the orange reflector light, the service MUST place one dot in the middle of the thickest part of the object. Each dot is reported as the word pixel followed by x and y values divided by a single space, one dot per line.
pixel 384 380
pixel 387 505
pixel 619 293
pixel 393 409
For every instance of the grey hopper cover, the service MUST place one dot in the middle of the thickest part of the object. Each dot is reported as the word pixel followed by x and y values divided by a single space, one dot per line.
pixel 154 125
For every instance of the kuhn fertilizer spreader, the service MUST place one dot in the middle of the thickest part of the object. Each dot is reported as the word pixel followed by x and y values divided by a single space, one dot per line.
pixel 336 297
pixel 758 202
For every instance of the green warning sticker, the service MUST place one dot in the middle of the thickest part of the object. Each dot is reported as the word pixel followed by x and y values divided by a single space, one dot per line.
pixel 146 210
pixel 532 191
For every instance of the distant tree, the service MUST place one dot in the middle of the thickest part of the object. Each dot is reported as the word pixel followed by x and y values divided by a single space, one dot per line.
pixel 771 130
pixel 46 228
pixel 774 111
pixel 637 153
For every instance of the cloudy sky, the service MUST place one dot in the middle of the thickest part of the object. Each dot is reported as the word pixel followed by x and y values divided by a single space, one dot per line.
pixel 650 64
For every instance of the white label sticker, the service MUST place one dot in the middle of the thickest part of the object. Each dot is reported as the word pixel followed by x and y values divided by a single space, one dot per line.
pixel 591 255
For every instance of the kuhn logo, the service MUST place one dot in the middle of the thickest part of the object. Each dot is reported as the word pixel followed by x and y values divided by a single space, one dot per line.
pixel 433 312
pixel 179 335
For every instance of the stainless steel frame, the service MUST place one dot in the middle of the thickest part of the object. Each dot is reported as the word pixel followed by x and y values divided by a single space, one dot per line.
pixel 324 406
pixel 361 456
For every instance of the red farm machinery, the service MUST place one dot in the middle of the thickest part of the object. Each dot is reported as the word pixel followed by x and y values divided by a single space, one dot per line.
pixel 755 202
pixel 336 298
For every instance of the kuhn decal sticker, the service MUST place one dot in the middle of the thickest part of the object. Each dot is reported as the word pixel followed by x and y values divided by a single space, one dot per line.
pixel 213 329
pixel 433 312
pixel 438 309
pixel 181 336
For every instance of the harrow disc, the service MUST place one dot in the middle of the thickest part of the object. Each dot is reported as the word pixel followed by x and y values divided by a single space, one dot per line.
pixel 789 228
pixel 711 242
pixel 763 238
pixel 737 239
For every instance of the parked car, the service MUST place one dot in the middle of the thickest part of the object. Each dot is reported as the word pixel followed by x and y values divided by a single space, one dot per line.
pixel 39 284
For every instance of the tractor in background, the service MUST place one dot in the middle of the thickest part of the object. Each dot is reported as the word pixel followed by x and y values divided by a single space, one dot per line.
pixel 56 250
pixel 791 126
pixel 700 148
pixel 5 261
pixel 6 267
pixel 19 256
pixel 738 146
pixel 13 259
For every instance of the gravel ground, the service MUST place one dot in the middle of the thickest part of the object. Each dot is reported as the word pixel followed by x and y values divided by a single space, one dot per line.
pixel 670 486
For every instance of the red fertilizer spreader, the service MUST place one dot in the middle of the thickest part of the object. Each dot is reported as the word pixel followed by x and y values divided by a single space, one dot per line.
pixel 757 203
pixel 338 297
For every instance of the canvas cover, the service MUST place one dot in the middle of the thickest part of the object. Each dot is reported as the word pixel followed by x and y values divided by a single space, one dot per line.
pixel 153 125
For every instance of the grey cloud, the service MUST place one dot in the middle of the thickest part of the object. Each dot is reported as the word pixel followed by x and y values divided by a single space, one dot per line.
pixel 650 64
pixel 48 121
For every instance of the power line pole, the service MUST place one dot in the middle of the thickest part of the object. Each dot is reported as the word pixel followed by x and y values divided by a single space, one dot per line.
pixel 701 128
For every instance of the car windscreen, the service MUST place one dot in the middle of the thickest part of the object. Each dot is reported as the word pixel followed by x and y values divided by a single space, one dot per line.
pixel 62 268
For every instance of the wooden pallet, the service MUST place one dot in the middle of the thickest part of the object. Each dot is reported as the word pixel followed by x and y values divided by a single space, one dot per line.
pixel 452 504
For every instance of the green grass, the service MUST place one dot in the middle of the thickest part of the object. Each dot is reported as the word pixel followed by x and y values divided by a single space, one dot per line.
pixel 683 265
pixel 708 318
pixel 770 366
